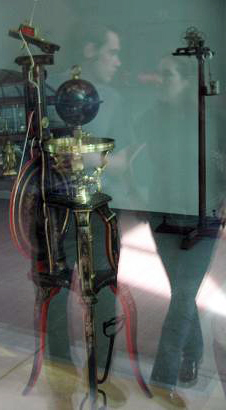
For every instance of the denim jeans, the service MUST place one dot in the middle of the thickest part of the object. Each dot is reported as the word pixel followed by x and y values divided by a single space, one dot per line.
pixel 181 332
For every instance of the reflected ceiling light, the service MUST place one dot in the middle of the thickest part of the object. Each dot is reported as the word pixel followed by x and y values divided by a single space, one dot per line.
pixel 211 297
pixel 140 264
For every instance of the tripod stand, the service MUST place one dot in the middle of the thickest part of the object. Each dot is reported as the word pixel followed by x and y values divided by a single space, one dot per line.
pixel 205 226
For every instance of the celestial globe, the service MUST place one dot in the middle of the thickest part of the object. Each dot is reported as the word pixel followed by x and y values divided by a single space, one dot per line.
pixel 77 102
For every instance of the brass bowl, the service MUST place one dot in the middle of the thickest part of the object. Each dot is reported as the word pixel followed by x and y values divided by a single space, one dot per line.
pixel 84 145
pixel 82 159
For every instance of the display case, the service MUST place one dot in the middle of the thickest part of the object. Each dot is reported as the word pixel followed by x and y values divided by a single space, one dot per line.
pixel 13 125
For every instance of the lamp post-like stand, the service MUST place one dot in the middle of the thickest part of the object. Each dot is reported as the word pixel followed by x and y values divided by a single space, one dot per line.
pixel 205 226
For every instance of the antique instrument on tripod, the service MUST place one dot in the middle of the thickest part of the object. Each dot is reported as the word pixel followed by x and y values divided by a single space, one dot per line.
pixel 62 175
pixel 195 47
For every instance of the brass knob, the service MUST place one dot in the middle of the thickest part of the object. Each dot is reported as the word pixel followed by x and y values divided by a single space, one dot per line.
pixel 76 71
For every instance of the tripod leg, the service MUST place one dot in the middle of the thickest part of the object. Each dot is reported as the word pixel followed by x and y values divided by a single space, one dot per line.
pixel 109 218
pixel 124 294
pixel 90 337
pixel 130 311
pixel 87 283
pixel 42 301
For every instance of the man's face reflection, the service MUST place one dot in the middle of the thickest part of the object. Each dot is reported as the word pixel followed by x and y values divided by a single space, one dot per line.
pixel 107 58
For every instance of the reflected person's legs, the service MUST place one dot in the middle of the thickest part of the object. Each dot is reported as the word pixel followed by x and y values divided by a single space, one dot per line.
pixel 192 349
pixel 181 332
pixel 180 327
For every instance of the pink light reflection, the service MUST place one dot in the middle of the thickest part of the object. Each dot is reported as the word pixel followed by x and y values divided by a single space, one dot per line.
pixel 212 298
pixel 140 264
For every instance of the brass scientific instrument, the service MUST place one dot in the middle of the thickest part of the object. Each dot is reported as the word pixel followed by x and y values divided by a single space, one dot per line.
pixel 64 175
pixel 81 157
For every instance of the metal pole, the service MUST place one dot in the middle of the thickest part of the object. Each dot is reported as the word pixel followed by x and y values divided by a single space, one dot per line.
pixel 91 352
pixel 202 140
pixel 87 276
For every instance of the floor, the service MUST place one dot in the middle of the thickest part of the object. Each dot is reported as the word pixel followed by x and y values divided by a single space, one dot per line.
pixel 145 257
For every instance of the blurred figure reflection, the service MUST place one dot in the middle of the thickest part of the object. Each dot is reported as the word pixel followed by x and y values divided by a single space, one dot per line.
pixel 180 347
pixel 96 48
pixel 169 131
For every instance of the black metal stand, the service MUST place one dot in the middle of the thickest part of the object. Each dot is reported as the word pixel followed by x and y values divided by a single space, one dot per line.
pixel 33 101
pixel 87 285
pixel 205 226
pixel 87 277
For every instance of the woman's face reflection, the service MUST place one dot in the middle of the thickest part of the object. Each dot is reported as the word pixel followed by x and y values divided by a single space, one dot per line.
pixel 173 83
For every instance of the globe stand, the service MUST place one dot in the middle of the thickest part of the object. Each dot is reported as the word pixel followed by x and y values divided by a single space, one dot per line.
pixel 77 103
pixel 90 282
pixel 87 286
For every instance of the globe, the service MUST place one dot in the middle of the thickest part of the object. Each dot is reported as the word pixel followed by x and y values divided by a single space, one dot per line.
pixel 77 102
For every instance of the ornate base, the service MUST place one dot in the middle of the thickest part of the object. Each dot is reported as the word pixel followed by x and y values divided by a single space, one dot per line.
pixel 193 234
pixel 87 285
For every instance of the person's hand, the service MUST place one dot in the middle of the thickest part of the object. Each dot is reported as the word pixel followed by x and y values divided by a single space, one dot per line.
pixel 118 162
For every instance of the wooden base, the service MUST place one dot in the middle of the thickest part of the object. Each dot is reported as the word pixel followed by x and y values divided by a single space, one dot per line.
pixel 193 234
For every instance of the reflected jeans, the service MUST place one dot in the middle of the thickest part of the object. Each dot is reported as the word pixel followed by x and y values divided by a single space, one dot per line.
pixel 181 331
